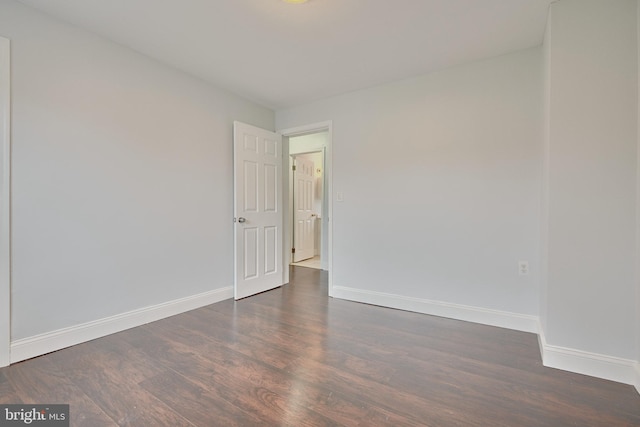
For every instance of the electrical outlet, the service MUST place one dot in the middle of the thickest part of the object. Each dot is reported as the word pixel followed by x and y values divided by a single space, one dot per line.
pixel 523 268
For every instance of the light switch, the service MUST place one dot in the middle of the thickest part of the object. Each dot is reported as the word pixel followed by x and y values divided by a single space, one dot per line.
pixel 340 196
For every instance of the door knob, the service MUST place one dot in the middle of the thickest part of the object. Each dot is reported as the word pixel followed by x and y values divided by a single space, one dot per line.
pixel 241 219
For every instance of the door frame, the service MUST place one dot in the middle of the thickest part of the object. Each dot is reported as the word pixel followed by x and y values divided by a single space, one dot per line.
pixel 5 202
pixel 328 171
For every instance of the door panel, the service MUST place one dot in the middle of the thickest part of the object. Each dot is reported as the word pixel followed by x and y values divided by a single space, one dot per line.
pixel 270 248
pixel 250 253
pixel 270 188
pixel 258 213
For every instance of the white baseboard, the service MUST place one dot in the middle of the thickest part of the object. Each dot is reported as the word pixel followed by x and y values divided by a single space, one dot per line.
pixel 582 362
pixel 502 319
pixel 51 341
pixel 637 377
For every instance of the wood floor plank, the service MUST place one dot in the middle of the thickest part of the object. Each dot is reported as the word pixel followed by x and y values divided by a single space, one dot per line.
pixel 348 384
pixel 199 405
pixel 271 378
pixel 7 393
pixel 230 376
pixel 38 381
pixel 255 376
pixel 109 372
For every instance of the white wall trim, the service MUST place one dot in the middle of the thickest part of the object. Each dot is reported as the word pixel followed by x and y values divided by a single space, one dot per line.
pixel 582 362
pixel 502 319
pixel 307 129
pixel 5 202
pixel 51 341
pixel 637 377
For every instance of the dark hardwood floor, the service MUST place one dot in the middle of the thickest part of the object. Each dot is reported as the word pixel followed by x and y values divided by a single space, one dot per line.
pixel 294 357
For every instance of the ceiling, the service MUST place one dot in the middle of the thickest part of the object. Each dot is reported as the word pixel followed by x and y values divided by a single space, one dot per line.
pixel 281 55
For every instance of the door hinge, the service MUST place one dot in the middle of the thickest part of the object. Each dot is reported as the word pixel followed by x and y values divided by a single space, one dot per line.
pixel 293 250
pixel 293 167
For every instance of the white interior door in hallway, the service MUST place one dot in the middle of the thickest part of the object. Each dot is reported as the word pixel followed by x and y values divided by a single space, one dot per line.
pixel 258 218
pixel 303 215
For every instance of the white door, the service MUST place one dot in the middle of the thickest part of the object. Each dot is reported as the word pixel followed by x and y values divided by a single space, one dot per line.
pixel 303 216
pixel 258 213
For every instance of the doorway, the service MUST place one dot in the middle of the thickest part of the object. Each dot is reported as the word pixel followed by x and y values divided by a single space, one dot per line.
pixel 310 142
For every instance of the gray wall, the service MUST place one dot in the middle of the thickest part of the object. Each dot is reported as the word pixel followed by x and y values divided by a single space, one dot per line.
pixel 122 177
pixel 591 177
pixel 441 180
